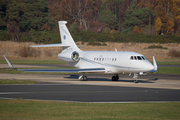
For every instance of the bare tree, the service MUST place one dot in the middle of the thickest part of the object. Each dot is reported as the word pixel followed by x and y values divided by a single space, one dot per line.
pixel 81 11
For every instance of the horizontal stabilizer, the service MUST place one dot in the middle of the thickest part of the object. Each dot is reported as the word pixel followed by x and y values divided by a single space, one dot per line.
pixel 53 45
pixel 49 45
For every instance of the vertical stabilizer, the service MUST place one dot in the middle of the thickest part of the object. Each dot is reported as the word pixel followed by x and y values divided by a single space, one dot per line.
pixel 66 37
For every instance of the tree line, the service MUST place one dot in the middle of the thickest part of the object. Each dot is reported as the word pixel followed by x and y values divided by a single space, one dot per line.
pixel 22 18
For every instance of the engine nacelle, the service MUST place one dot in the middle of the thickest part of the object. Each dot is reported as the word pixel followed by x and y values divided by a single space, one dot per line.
pixel 75 56
pixel 69 56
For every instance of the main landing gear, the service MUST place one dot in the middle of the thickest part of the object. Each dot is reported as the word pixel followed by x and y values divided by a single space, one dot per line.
pixel 83 77
pixel 115 77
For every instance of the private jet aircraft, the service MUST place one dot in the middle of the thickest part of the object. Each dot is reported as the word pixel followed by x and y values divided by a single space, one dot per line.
pixel 108 62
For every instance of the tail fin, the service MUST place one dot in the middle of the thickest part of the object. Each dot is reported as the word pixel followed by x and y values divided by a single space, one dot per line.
pixel 66 37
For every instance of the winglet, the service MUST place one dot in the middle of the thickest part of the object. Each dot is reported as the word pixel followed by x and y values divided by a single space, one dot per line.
pixel 155 65
pixel 10 65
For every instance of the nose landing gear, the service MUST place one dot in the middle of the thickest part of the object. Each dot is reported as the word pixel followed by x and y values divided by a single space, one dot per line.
pixel 135 77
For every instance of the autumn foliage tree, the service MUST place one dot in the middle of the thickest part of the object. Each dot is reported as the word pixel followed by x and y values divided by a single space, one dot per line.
pixel 158 25
pixel 150 16
pixel 166 10
pixel 136 29
pixel 170 25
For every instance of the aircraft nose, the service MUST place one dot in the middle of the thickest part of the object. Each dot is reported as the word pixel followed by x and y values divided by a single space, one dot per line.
pixel 149 67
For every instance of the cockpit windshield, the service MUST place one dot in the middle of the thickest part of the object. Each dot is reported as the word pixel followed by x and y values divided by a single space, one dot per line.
pixel 137 58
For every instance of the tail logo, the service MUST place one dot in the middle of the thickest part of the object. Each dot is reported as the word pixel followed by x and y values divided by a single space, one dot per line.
pixel 64 37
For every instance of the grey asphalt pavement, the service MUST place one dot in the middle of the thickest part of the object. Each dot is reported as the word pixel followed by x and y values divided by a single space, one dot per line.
pixel 87 93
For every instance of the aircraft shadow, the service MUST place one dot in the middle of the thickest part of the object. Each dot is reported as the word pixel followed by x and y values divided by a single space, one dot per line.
pixel 120 80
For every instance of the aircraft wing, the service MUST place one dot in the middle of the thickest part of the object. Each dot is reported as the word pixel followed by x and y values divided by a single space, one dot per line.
pixel 65 70
pixel 57 70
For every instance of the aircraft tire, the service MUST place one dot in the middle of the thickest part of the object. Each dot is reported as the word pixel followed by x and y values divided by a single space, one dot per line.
pixel 114 78
pixel 136 81
pixel 85 78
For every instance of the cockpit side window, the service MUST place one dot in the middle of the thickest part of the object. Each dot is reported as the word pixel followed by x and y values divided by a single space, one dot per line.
pixel 143 57
pixel 139 58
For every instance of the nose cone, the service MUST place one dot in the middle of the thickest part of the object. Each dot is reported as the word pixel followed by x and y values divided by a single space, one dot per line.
pixel 150 67
pixel 147 66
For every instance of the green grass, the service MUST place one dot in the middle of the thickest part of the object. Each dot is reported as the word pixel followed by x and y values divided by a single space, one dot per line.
pixel 38 110
pixel 168 63
pixel 17 82
pixel 168 70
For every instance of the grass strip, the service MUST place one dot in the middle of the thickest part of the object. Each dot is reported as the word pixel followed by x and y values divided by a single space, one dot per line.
pixel 168 63
pixel 17 82
pixel 46 110
pixel 168 70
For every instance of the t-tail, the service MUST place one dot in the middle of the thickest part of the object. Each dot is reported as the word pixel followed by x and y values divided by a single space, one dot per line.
pixel 66 39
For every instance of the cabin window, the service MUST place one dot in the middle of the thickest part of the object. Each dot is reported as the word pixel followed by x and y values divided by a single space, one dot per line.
pixel 131 57
pixel 135 58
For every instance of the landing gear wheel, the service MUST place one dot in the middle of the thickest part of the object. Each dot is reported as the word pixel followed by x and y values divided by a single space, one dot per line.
pixel 115 78
pixel 136 81
pixel 83 78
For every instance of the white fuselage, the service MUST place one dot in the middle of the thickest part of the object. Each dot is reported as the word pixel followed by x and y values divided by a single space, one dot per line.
pixel 113 62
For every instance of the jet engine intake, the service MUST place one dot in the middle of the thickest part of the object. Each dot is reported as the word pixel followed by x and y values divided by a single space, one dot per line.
pixel 75 56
